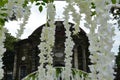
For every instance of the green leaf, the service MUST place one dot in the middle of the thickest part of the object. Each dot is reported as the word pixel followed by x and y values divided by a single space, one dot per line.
pixel 25 3
pixel 4 9
pixel 93 13
pixel 51 0
pixel 36 0
pixel 113 1
pixel 43 3
pixel 31 1
pixel 93 5
pixel 37 4
pixel 40 8
pixel 2 21
pixel 46 1
pixel 3 2
pixel 3 14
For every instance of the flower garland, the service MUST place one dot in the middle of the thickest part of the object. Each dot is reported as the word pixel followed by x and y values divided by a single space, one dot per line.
pixel 12 7
pixel 67 73
pixel 24 22
pixel 16 8
pixel 98 53
pixel 43 51
pixel 84 6
pixel 100 38
pixel 2 50
pixel 75 15
pixel 46 45
pixel 51 38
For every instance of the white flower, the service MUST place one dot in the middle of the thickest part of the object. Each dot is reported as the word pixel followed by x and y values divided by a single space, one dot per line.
pixel 101 45
pixel 2 49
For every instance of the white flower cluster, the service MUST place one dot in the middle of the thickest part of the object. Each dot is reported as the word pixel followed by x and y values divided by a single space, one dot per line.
pixel 100 38
pixel 46 46
pixel 84 6
pixel 15 7
pixel 67 73
pixel 68 55
pixel 24 22
pixel 45 55
pixel 76 16
pixel 2 50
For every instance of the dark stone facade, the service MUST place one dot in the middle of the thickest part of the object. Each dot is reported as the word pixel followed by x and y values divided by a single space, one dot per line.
pixel 26 51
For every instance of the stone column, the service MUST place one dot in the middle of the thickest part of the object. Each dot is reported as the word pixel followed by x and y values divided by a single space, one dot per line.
pixel 15 67
pixel 76 57
pixel 84 59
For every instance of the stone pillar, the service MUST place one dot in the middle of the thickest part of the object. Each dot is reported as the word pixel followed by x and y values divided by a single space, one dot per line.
pixel 14 67
pixel 84 59
pixel 76 57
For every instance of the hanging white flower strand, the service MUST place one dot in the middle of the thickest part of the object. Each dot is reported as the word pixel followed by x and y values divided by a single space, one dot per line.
pixel 18 11
pixel 2 49
pixel 70 8
pixel 42 47
pixel 106 34
pixel 67 72
pixel 46 46
pixel 100 38
pixel 51 38
pixel 15 10
pixel 15 7
pixel 75 15
pixel 24 22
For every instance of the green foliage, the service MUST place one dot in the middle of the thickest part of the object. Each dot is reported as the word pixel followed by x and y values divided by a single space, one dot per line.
pixel 31 1
pixel 8 59
pixel 113 1
pixel 40 8
pixel 93 7
pixel 118 59
pixel 117 67
pixel 38 3
pixel 2 22
pixel 45 1
pixel 34 75
pixel 25 3
pixel 42 3
pixel 9 42
pixel 3 15
pixel 3 2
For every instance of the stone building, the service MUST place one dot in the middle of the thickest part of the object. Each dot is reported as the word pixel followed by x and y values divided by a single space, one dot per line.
pixel 26 51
